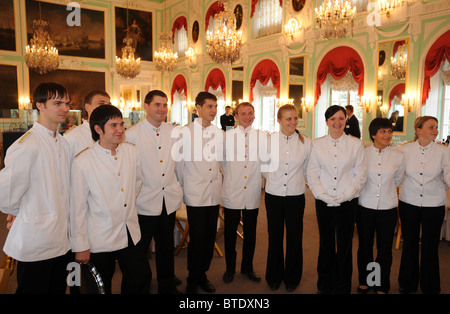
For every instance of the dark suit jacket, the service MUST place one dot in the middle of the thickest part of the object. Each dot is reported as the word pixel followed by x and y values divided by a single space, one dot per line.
pixel 227 122
pixel 352 127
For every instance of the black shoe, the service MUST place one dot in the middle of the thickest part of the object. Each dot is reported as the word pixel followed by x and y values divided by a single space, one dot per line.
pixel 191 289
pixel 207 286
pixel 251 275
pixel 290 287
pixel 176 281
pixel 274 286
pixel 228 276
pixel 362 290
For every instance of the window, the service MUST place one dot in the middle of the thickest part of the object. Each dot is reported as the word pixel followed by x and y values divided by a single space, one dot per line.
pixel 265 99
pixel 220 104
pixel 344 98
pixel 181 41
pixel 179 114
pixel 445 124
pixel 267 18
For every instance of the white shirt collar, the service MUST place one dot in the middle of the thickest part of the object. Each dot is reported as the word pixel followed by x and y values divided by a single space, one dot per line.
pixel 245 130
pixel 43 129
pixel 106 151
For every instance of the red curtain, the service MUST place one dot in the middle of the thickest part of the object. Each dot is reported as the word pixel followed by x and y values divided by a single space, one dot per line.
pixel 254 2
pixel 215 8
pixel 215 79
pixel 398 91
pixel 338 62
pixel 177 25
pixel 263 72
pixel 178 85
pixel 435 56
pixel 397 45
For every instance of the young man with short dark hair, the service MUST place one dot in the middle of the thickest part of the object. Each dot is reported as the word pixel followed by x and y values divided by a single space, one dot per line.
pixel 34 189
pixel 105 181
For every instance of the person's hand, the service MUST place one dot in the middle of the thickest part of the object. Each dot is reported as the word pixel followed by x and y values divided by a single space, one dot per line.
pixel 9 221
pixel 83 257
pixel 330 200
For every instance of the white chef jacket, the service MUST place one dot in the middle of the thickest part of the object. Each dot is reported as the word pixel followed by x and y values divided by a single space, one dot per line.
pixel 79 138
pixel 198 153
pixel 241 168
pixel 158 168
pixel 337 167
pixel 34 186
pixel 427 174
pixel 103 198
pixel 293 155
pixel 385 172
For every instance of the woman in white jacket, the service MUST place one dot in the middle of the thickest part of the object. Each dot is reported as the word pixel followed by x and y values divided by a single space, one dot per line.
pixel 378 201
pixel 336 175
pixel 422 207
pixel 285 201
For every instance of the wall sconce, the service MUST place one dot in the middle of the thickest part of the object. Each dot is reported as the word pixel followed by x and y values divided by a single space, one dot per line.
pixel 24 103
pixel 408 102
pixel 190 54
pixel 284 101
pixel 367 101
pixel 387 6
pixel 291 28
pixel 306 104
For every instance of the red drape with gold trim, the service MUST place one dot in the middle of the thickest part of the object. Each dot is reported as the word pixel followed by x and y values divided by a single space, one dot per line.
pixel 180 22
pixel 254 2
pixel 178 85
pixel 215 79
pixel 435 56
pixel 215 8
pixel 338 62
pixel 263 72
pixel 398 91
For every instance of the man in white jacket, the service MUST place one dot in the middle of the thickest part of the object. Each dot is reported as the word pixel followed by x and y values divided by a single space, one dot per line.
pixel 241 192
pixel 34 191
pixel 105 181
pixel 161 193
pixel 80 137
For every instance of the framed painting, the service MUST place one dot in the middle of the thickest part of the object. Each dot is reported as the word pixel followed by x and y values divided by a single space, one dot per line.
pixel 195 31
pixel 8 89
pixel 79 83
pixel 139 26
pixel 86 40
pixel 298 5
pixel 7 26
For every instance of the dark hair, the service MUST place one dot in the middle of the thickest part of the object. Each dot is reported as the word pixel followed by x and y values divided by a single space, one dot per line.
pixel 89 96
pixel 377 124
pixel 349 107
pixel 202 96
pixel 153 93
pixel 48 90
pixel 332 110
pixel 100 116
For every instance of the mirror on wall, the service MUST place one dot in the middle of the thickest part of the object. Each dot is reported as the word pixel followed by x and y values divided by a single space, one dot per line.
pixel 297 85
pixel 237 84
pixel 391 81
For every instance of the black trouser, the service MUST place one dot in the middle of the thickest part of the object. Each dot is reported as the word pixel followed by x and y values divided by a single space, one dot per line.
pixel 161 229
pixel 412 219
pixel 133 264
pixel 232 218
pixel 336 226
pixel 202 236
pixel 382 223
pixel 284 211
pixel 43 277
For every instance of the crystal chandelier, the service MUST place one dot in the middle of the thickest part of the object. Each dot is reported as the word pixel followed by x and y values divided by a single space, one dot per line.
pixel 165 58
pixel 128 66
pixel 40 55
pixel 334 18
pixel 399 62
pixel 224 46
pixel 386 6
